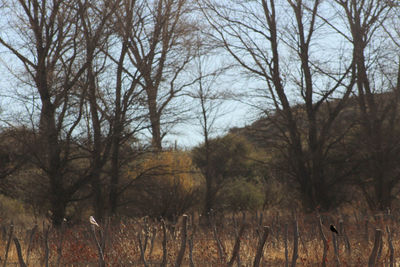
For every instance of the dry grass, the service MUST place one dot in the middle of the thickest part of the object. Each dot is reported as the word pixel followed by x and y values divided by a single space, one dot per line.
pixel 122 247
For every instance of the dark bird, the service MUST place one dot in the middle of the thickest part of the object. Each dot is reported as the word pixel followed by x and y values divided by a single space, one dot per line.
pixel 333 229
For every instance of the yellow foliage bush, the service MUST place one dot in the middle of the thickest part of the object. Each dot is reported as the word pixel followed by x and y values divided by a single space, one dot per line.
pixel 163 184
pixel 170 167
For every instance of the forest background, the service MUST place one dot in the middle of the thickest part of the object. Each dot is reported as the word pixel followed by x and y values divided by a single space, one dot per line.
pixel 91 91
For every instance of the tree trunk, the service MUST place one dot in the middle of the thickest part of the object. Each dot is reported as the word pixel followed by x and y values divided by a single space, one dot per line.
pixel 155 128
pixel 209 201
pixel 117 131
pixel 98 200
pixel 114 179
pixel 49 137
pixel 58 206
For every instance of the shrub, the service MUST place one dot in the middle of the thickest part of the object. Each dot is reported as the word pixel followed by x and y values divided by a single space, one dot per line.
pixel 240 195
pixel 163 185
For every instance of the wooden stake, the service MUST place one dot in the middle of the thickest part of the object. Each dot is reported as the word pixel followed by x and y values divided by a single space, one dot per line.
pixel 260 247
pixel 374 254
pixel 183 242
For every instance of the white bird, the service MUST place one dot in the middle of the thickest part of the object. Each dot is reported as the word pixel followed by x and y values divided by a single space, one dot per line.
pixel 93 221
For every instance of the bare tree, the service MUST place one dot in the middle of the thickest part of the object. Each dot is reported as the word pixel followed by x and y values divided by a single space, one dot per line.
pixel 45 40
pixel 159 47
pixel 153 40
pixel 259 36
pixel 127 117
pixel 95 16
pixel 209 100
pixel 378 92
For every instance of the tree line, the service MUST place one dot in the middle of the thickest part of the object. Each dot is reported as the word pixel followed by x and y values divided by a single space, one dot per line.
pixel 91 78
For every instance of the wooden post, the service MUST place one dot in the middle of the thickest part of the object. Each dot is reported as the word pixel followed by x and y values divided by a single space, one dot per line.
pixel 379 249
pixel 235 228
pixel 357 221
pixel 221 249
pixel 164 244
pixel 286 245
pixel 99 247
pixel 29 247
pixel 391 248
pixel 374 254
pixel 303 243
pixel 60 237
pixel 183 242
pixel 325 241
pixel 20 258
pixel 342 231
pixel 4 233
pixel 335 248
pixel 153 237
pixel 260 247
pixel 295 242
pixel 236 248
pixel 260 221
pixel 142 247
pixel 190 241
pixel 8 243
pixel 46 246
pixel 191 238
pixel 366 232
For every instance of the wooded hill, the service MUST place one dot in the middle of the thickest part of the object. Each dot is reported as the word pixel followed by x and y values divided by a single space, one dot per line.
pixel 347 163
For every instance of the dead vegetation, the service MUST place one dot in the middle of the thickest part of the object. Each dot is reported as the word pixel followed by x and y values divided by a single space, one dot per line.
pixel 258 239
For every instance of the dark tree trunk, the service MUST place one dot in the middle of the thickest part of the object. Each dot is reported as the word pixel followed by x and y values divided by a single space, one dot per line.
pixel 58 206
pixel 114 180
pixel 155 126
pixel 209 201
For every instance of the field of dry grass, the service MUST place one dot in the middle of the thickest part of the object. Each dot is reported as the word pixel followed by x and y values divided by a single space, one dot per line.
pixel 141 242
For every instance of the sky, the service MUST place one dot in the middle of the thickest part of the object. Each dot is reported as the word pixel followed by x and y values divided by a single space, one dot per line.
pixel 189 134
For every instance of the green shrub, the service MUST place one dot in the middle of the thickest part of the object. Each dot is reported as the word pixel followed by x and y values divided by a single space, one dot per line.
pixel 239 195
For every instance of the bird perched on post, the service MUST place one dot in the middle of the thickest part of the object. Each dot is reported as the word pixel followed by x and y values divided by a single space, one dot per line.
pixel 333 229
pixel 93 221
